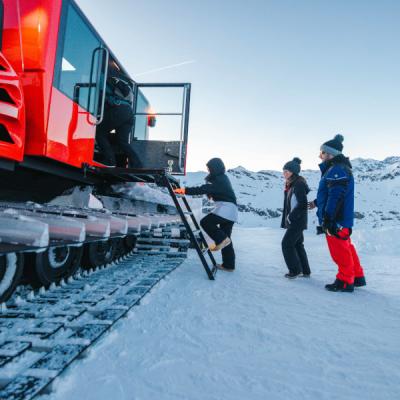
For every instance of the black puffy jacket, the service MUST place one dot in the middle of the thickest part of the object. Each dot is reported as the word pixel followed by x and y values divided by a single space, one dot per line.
pixel 218 185
pixel 298 215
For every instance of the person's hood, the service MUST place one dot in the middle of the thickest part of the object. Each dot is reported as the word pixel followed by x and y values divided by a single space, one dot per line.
pixel 339 159
pixel 216 167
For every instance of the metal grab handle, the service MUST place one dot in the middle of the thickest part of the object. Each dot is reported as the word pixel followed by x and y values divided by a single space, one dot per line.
pixel 184 125
pixel 100 101
pixel 103 99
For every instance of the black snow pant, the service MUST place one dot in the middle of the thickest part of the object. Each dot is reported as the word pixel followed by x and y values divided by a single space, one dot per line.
pixel 293 251
pixel 121 119
pixel 219 229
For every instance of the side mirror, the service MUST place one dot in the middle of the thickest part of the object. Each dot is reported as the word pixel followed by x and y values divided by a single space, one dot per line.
pixel 151 121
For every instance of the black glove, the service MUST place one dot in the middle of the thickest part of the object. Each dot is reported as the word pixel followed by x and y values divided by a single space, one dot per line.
pixel 329 226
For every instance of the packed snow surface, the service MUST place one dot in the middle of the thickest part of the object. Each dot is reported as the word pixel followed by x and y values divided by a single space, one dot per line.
pixel 254 335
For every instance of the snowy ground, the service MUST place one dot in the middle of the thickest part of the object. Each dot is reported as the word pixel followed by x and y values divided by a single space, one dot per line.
pixel 253 335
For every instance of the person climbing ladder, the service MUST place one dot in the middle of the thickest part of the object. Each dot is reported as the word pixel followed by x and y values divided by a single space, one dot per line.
pixel 219 223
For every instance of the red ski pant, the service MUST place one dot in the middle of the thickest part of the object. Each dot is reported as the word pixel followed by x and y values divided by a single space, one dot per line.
pixel 345 256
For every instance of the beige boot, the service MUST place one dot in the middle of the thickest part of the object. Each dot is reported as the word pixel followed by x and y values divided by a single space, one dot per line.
pixel 224 243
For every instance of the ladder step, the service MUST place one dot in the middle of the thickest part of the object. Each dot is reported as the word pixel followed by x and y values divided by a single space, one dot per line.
pixel 187 212
pixel 204 249
pixel 202 242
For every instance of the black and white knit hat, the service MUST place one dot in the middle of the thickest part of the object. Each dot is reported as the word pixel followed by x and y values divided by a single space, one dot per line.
pixel 334 146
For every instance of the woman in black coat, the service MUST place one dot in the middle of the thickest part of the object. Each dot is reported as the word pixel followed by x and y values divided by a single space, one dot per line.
pixel 294 220
pixel 219 223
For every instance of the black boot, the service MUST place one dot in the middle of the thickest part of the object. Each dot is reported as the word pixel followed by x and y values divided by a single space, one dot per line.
pixel 340 286
pixel 292 275
pixel 360 281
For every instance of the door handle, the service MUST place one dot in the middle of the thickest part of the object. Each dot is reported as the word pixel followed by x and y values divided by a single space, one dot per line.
pixel 99 99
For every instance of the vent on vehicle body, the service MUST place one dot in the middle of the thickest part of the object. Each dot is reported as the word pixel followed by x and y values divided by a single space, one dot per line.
pixel 5 135
pixel 4 96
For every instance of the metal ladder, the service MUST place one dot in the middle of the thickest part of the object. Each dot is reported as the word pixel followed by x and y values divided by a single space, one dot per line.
pixel 196 236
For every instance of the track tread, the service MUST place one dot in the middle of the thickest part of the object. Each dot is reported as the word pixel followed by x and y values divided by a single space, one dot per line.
pixel 62 323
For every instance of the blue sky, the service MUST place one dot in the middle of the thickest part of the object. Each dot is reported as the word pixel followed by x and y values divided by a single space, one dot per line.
pixel 271 79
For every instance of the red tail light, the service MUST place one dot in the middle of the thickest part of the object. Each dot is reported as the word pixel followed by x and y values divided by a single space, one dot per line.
pixel 151 121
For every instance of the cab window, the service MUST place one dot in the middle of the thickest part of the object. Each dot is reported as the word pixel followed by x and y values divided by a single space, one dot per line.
pixel 77 61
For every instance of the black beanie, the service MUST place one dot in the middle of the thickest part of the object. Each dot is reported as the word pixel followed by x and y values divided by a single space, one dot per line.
pixel 334 146
pixel 293 166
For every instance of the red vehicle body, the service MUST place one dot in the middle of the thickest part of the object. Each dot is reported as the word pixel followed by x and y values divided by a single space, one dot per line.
pixel 56 82
pixel 39 118
pixel 56 127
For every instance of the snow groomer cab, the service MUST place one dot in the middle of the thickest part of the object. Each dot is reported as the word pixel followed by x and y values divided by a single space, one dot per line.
pixel 58 78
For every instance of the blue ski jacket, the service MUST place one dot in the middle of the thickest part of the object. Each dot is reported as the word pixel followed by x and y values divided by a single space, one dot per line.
pixel 335 198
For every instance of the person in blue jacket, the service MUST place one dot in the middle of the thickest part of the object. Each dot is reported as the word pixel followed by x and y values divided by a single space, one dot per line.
pixel 335 211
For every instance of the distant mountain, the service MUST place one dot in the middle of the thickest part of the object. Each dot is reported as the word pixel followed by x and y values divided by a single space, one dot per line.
pixel 260 194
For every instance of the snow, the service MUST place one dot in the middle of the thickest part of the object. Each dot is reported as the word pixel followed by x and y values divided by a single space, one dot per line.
pixel 94 202
pixel 253 334
pixel 145 192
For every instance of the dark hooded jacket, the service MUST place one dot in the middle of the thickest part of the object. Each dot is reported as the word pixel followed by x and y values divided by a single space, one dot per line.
pixel 217 186
pixel 295 204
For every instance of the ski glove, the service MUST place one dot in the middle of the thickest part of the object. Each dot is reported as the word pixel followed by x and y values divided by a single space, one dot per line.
pixel 180 191
pixel 330 227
